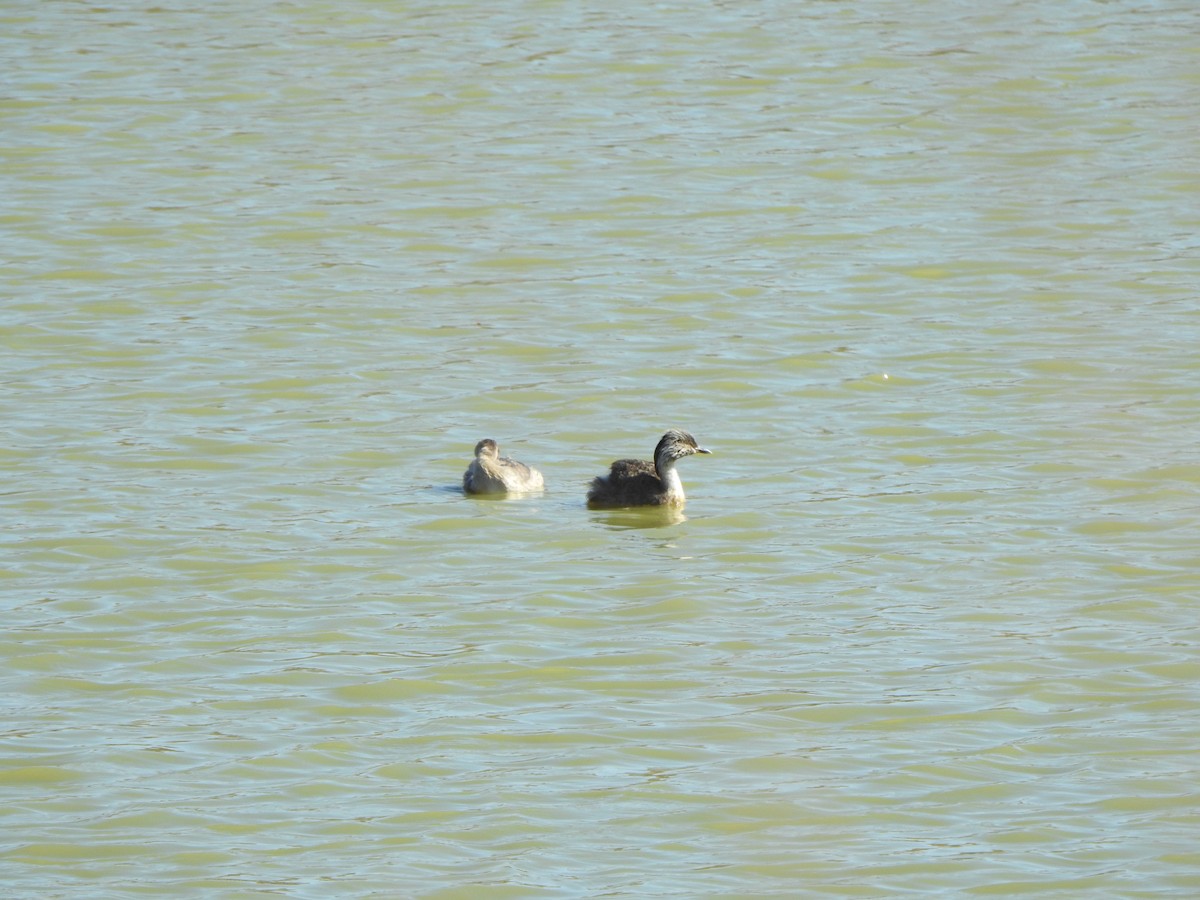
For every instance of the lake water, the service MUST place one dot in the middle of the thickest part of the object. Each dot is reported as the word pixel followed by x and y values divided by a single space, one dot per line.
pixel 923 276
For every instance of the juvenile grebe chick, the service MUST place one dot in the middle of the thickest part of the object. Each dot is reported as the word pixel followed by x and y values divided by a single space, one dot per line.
pixel 636 482
pixel 491 473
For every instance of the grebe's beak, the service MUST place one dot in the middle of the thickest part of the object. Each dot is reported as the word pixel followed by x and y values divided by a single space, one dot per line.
pixel 702 450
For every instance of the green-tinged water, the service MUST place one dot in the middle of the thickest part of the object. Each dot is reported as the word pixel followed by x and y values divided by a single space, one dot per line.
pixel 923 277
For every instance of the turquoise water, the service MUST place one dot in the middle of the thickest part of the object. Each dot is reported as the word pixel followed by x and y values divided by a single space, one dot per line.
pixel 922 278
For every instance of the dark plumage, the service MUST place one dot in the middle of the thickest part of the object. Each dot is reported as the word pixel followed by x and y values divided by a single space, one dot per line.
pixel 637 482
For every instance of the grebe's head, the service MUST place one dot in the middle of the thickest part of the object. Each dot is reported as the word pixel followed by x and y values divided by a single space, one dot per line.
pixel 487 447
pixel 676 444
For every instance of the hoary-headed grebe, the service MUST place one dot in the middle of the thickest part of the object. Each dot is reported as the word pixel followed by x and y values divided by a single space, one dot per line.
pixel 635 482
pixel 491 473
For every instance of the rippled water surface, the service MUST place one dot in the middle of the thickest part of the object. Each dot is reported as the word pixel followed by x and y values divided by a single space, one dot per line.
pixel 923 276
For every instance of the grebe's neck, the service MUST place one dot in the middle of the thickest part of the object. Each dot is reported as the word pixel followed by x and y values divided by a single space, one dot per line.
pixel 665 466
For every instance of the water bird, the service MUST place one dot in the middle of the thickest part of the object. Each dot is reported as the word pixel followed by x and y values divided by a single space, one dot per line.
pixel 636 482
pixel 491 473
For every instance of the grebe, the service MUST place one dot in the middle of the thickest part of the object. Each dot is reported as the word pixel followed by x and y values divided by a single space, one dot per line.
pixel 491 473
pixel 635 482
